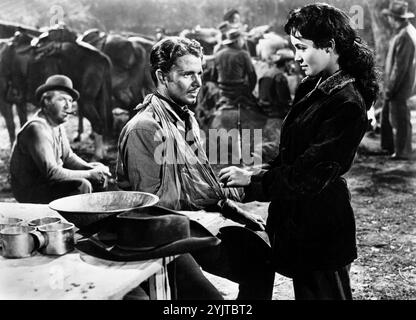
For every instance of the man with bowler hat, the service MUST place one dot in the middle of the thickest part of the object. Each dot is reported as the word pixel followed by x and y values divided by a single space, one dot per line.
pixel 396 127
pixel 43 166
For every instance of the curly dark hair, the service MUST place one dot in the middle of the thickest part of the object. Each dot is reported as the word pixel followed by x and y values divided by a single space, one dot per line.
pixel 322 23
pixel 166 51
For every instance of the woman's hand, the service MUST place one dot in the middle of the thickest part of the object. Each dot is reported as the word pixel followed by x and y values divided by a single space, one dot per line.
pixel 235 177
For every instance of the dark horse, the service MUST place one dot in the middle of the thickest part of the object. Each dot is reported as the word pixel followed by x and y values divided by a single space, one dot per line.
pixel 130 74
pixel 59 52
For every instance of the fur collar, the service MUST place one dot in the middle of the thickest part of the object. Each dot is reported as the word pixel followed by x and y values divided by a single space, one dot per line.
pixel 335 82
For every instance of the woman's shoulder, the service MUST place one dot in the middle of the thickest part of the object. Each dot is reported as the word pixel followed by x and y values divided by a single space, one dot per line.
pixel 349 98
pixel 342 86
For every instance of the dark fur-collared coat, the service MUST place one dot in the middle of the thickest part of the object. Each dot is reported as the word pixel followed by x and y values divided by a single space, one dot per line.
pixel 311 222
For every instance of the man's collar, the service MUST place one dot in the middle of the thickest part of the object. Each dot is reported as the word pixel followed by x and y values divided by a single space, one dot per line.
pixel 178 112
pixel 41 115
pixel 402 26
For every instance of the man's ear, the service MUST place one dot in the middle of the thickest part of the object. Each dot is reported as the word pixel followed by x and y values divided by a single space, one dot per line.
pixel 46 102
pixel 161 77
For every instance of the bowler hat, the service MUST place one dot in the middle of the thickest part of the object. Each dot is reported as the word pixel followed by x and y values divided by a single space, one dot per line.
pixel 398 9
pixel 147 233
pixel 57 82
pixel 283 55
pixel 232 36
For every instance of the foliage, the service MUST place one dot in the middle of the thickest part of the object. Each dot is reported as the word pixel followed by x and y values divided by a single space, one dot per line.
pixel 143 16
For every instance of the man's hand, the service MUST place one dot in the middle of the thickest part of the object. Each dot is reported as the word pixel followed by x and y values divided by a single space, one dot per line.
pixel 235 177
pixel 255 222
pixel 102 167
pixel 99 174
pixel 230 210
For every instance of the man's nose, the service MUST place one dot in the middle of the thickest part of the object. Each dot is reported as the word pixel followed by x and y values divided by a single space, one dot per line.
pixel 197 80
pixel 68 105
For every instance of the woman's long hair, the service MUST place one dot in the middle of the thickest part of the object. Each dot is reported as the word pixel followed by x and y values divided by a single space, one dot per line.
pixel 322 23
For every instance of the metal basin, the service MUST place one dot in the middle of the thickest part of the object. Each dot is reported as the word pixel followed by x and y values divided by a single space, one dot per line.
pixel 86 209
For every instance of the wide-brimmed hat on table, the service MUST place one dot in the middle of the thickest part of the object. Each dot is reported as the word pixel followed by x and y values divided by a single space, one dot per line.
pixel 233 35
pixel 57 82
pixel 398 9
pixel 147 233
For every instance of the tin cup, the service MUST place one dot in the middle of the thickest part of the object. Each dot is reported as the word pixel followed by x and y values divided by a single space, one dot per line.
pixel 58 238
pixel 10 222
pixel 20 241
pixel 43 221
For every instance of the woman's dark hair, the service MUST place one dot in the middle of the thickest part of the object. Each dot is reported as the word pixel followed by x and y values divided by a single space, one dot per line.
pixel 322 23
pixel 166 51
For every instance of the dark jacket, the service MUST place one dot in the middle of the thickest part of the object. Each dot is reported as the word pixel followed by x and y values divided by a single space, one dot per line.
pixel 274 92
pixel 234 72
pixel 311 222
pixel 401 64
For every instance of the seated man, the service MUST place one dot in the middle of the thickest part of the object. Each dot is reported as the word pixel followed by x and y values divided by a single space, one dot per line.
pixel 43 166
pixel 160 151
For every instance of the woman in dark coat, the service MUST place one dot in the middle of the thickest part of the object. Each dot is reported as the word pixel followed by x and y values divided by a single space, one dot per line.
pixel 311 222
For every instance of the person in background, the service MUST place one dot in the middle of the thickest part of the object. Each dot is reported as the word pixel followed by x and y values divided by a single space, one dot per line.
pixel 223 27
pixel 233 17
pixel 311 222
pixel 400 71
pixel 234 71
pixel 43 166
pixel 274 93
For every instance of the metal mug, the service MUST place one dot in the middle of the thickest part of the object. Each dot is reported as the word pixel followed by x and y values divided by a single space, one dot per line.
pixel 43 221
pixel 20 241
pixel 58 238
pixel 10 222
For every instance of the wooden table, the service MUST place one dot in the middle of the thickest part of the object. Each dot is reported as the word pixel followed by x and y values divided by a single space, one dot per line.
pixel 76 275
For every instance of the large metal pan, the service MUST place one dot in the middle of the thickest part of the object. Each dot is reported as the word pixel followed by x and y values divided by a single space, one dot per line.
pixel 86 209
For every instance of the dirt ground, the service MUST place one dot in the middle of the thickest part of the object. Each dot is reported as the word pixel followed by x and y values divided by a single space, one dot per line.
pixel 384 199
